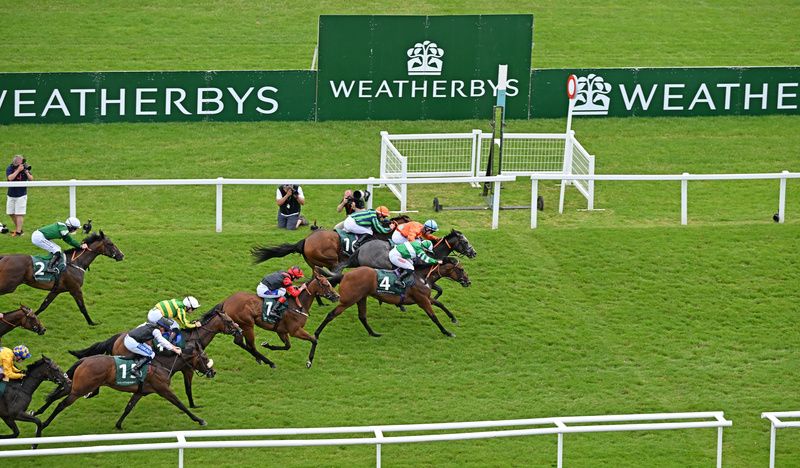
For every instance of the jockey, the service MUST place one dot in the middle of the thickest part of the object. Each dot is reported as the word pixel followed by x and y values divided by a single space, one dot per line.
pixel 402 256
pixel 136 342
pixel 7 359
pixel 276 285
pixel 43 237
pixel 407 232
pixel 175 310
pixel 364 222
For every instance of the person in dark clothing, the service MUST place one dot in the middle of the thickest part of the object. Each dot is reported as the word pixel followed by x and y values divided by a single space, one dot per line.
pixel 17 200
pixel 289 199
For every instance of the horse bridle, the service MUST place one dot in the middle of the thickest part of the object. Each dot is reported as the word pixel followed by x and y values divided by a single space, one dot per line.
pixel 24 317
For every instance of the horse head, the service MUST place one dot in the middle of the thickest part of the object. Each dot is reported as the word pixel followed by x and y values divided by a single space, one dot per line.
pixel 199 360
pixel 458 242
pixel 226 324
pixel 103 245
pixel 30 321
pixel 451 268
pixel 51 371
pixel 325 289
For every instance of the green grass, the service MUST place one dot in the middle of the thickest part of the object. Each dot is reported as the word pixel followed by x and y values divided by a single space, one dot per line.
pixel 615 311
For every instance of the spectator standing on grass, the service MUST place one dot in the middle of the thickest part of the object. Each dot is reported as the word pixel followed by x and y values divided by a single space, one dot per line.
pixel 290 200
pixel 17 200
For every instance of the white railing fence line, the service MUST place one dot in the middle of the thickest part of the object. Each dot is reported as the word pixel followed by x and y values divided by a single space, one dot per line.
pixel 559 426
pixel 776 423
pixel 683 178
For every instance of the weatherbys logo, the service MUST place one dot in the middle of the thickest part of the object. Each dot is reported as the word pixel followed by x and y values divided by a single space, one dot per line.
pixel 425 59
pixel 592 96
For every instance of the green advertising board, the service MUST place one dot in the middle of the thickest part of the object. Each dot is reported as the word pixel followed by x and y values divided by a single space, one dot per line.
pixel 655 92
pixel 156 96
pixel 421 67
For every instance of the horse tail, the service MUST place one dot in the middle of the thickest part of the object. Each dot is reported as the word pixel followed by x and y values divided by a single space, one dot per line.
pixel 101 347
pixel 261 253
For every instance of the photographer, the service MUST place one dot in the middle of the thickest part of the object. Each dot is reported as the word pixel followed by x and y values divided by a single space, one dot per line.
pixel 17 200
pixel 289 199
pixel 352 202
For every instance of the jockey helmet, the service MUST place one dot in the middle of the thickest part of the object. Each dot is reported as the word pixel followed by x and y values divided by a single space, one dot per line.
pixel 427 245
pixel 430 226
pixel 295 272
pixel 165 322
pixel 72 223
pixel 22 352
pixel 190 302
pixel 382 211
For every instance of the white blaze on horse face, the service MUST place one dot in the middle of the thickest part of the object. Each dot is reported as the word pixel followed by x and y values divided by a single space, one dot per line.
pixel 210 363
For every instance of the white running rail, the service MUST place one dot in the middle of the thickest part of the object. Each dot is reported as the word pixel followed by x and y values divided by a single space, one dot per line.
pixel 776 423
pixel 376 435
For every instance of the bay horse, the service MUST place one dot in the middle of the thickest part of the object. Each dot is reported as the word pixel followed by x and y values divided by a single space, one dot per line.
pixel 213 322
pixel 14 404
pixel 93 372
pixel 22 317
pixel 245 309
pixel 18 269
pixel 357 284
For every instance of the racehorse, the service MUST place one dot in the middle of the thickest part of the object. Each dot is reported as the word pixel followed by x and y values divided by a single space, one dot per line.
pixel 14 403
pixel 212 323
pixel 89 374
pixel 18 269
pixel 375 254
pixel 22 317
pixel 355 285
pixel 245 309
pixel 322 248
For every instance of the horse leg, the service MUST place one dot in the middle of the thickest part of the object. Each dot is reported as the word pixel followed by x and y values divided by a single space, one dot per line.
pixel 78 296
pixel 438 290
pixel 47 300
pixel 188 375
pixel 445 309
pixel 131 403
pixel 61 406
pixel 331 315
pixel 302 334
pixel 425 304
pixel 249 336
pixel 168 395
pixel 9 420
pixel 59 393
pixel 23 416
pixel 286 343
pixel 362 316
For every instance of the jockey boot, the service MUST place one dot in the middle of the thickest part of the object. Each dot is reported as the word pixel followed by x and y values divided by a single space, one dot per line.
pixel 136 370
pixel 402 280
pixel 361 241
pixel 52 267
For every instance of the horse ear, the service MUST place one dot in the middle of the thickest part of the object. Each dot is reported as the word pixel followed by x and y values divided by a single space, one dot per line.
pixel 102 234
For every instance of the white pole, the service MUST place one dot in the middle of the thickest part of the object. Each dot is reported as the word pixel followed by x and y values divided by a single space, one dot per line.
pixel 378 435
pixel 181 439
pixel 496 205
pixel 591 184
pixel 384 138
pixel 219 204
pixel 684 200
pixel 560 450
pixel 569 115
pixel 772 445
pixel 72 200
pixel 719 447
pixel 782 198
pixel 534 197
pixel 369 189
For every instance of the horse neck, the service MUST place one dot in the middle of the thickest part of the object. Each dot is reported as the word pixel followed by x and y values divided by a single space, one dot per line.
pixel 32 381
pixel 306 297
pixel 83 258
pixel 8 323
pixel 206 332
pixel 444 247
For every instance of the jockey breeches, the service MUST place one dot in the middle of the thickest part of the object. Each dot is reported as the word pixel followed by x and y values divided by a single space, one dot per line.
pixel 265 292
pixel 142 349
pixel 398 238
pixel 39 241
pixel 353 228
pixel 398 260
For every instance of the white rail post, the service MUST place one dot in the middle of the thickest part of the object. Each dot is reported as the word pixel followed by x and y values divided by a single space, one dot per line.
pixel 219 204
pixel 404 186
pixel 591 183
pixel 496 205
pixel 384 138
pixel 719 447
pixel 560 425
pixel 181 439
pixel 72 199
pixel 475 163
pixel 782 198
pixel 684 200
pixel 378 435
pixel 369 189
pixel 772 444
pixel 534 197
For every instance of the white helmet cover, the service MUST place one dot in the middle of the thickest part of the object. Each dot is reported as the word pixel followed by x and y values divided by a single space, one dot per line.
pixel 73 222
pixel 191 302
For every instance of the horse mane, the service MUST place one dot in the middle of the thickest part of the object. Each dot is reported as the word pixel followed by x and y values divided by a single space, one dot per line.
pixel 208 315
pixel 95 236
pixel 32 366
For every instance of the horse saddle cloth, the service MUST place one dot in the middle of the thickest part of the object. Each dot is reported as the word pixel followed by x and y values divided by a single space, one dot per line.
pixel 272 310
pixel 388 283
pixel 40 272
pixel 124 367
pixel 346 241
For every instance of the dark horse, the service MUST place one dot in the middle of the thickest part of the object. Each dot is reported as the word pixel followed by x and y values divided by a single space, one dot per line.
pixel 357 284
pixel 14 403
pixel 18 269
pixel 90 373
pixel 375 254
pixel 22 317
pixel 245 309
pixel 212 323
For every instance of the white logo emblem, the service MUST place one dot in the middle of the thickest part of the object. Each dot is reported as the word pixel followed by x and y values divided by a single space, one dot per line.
pixel 425 59
pixel 592 97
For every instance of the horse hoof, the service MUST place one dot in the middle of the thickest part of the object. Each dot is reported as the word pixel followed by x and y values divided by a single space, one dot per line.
pixel 119 427
pixel 203 422
pixel 94 324
pixel 265 344
pixel 30 413
pixel 272 365
pixel 308 364
pixel 455 321
pixel 34 446
pixel 451 335
pixel 376 335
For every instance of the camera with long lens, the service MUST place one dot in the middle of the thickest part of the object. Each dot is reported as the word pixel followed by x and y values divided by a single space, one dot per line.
pixel 27 167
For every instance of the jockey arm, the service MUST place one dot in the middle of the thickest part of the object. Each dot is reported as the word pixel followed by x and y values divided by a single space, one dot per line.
pixel 184 321
pixel 430 237
pixel 7 362
pixel 163 341
pixel 380 227
pixel 69 240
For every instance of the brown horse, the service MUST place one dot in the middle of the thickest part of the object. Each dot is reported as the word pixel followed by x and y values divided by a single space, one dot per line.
pixel 22 317
pixel 212 323
pixel 89 374
pixel 14 403
pixel 245 309
pixel 18 269
pixel 358 283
